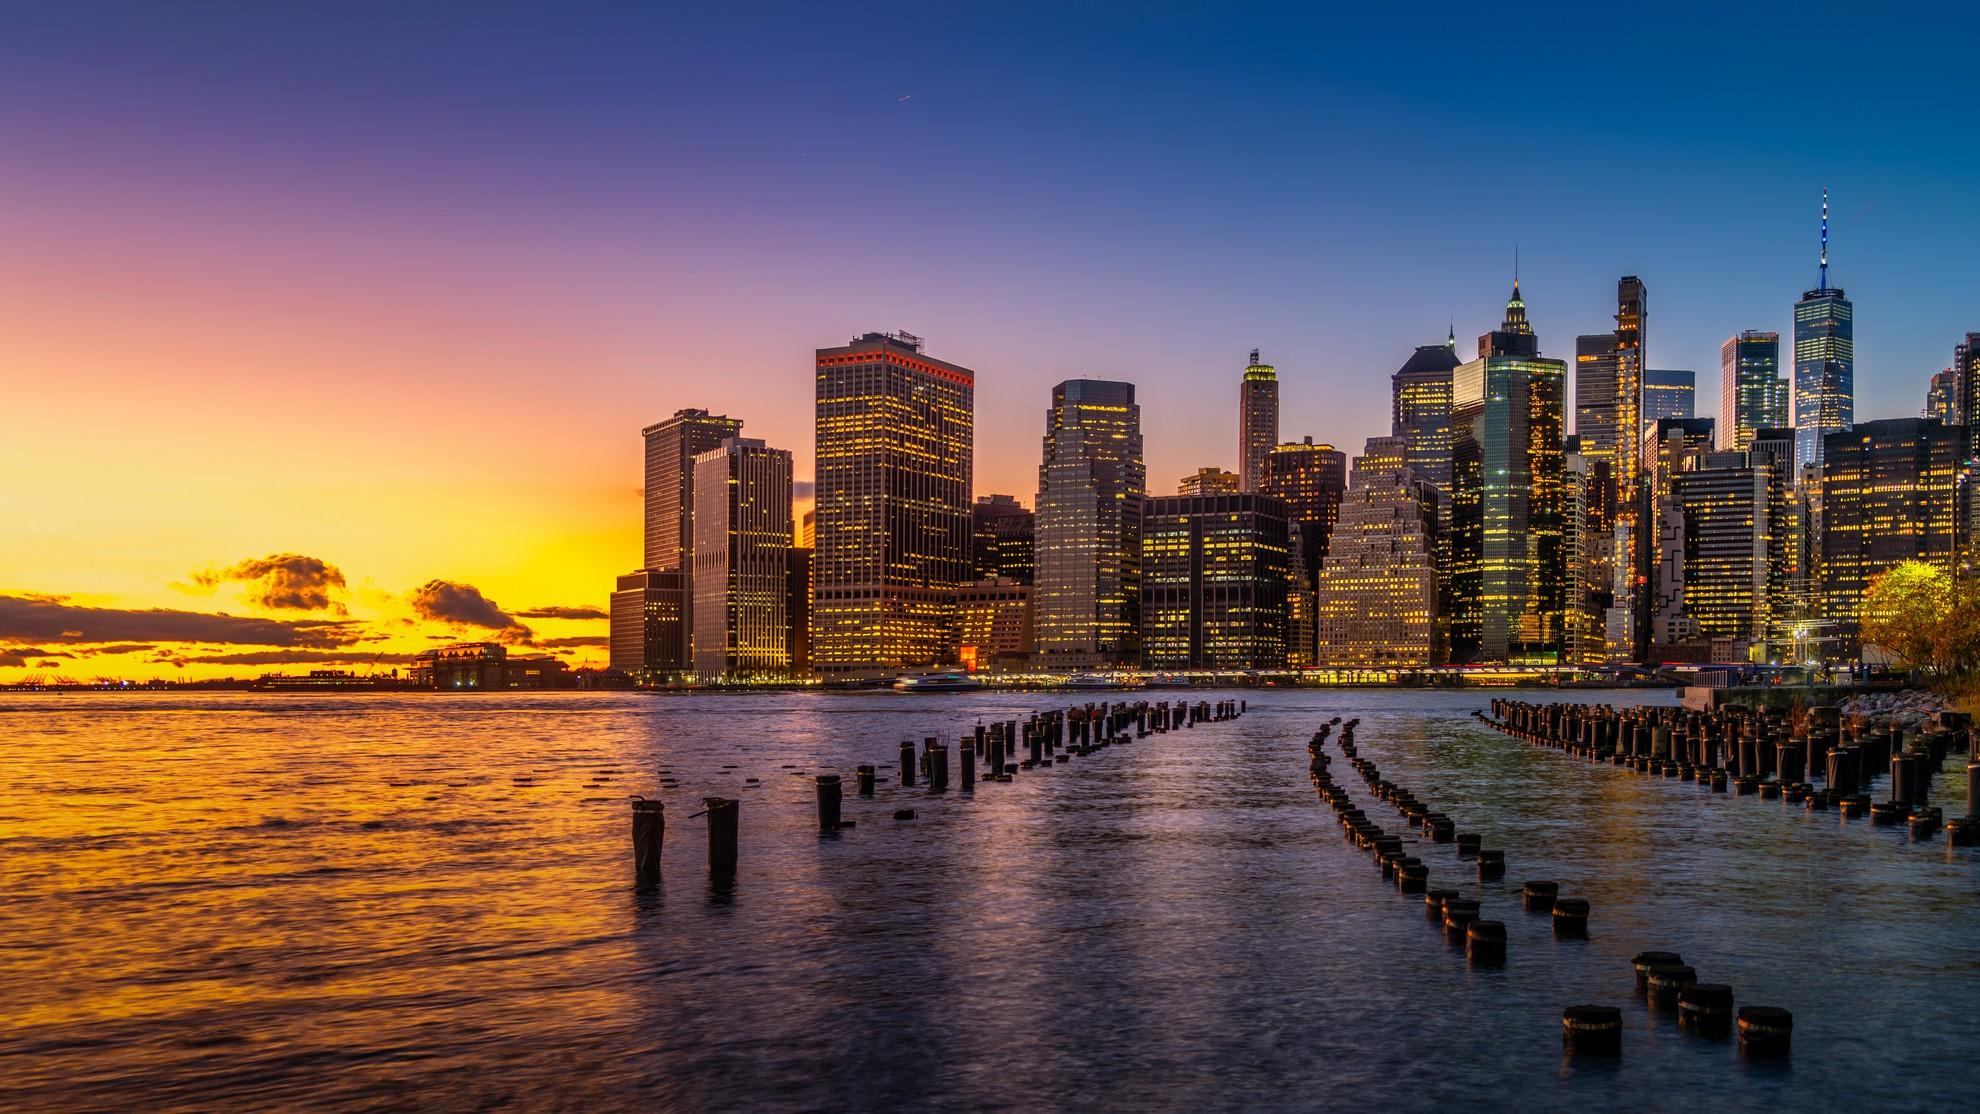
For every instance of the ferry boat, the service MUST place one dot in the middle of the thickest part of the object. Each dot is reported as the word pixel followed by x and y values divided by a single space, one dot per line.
pixel 1094 681
pixel 938 682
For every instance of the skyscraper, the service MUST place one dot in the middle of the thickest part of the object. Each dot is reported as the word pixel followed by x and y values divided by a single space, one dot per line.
pixel 1966 390
pixel 1213 589
pixel 1668 393
pixel 1091 485
pixel 1595 395
pixel 646 641
pixel 1258 420
pixel 1378 592
pixel 895 437
pixel 1942 397
pixel 1004 532
pixel 1421 396
pixel 1752 394
pixel 1631 320
pixel 671 447
pixel 1888 495
pixel 1824 360
pixel 1310 480
pixel 1668 448
pixel 742 562
pixel 1508 580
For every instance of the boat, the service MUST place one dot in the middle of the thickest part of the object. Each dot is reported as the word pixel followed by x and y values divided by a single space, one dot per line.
pixel 937 682
pixel 1094 681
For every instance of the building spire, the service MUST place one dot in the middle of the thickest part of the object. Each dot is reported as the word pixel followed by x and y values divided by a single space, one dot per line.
pixel 1823 282
pixel 1450 341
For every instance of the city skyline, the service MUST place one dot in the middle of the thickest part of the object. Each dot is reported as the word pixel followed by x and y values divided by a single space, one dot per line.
pixel 399 367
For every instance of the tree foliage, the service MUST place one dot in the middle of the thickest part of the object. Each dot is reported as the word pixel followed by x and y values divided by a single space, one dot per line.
pixel 1925 617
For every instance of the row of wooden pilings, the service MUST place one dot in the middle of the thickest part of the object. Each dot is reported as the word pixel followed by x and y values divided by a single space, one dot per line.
pixel 1771 754
pixel 1662 979
pixel 1005 748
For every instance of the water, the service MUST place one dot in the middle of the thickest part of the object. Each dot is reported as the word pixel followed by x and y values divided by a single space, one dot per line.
pixel 251 902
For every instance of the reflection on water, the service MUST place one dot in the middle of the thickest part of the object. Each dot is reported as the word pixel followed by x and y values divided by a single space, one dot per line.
pixel 249 901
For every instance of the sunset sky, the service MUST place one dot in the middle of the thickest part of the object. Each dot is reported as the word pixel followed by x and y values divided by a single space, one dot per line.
pixel 342 320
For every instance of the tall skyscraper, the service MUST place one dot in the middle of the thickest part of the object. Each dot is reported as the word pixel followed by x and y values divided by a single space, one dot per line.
pixel 1668 393
pixel 1752 394
pixel 1377 601
pixel 1310 480
pixel 1824 360
pixel 646 640
pixel 1508 580
pixel 1595 395
pixel 895 437
pixel 1669 447
pixel 671 447
pixel 742 562
pixel 1004 533
pixel 1888 495
pixel 1213 589
pixel 1091 485
pixel 1258 420
pixel 1421 394
pixel 1942 397
pixel 1632 315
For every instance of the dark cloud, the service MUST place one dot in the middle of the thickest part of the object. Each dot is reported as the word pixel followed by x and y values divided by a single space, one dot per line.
pixel 122 648
pixel 43 618
pixel 292 657
pixel 35 652
pixel 14 659
pixel 563 613
pixel 574 642
pixel 285 581
pixel 449 601
pixel 802 490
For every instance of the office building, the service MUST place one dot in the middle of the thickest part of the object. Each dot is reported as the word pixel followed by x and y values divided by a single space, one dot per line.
pixel 1595 421
pixel 1508 576
pixel 1420 393
pixel 1668 448
pixel 1376 604
pixel 1824 360
pixel 646 640
pixel 671 447
pixel 1668 393
pixel 1003 536
pixel 895 442
pixel 1258 420
pixel 1587 582
pixel 1091 485
pixel 1208 481
pixel 797 609
pixel 1942 397
pixel 1213 585
pixel 1966 390
pixel 1888 495
pixel 1309 479
pixel 1725 581
pixel 742 562
pixel 993 624
pixel 1752 394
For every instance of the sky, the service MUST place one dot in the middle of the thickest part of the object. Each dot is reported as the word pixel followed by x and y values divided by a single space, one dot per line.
pixel 327 331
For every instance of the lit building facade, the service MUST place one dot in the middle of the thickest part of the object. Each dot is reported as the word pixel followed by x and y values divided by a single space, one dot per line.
pixel 742 562
pixel 1310 480
pixel 1420 393
pixel 1668 448
pixel 1966 390
pixel 1208 481
pixel 1508 580
pixel 1213 585
pixel 895 431
pixel 646 641
pixel 1595 420
pixel 1726 584
pixel 671 447
pixel 993 624
pixel 1824 360
pixel 1668 393
pixel 1258 420
pixel 1752 394
pixel 1091 485
pixel 1942 397
pixel 1888 495
pixel 1376 603
pixel 1003 533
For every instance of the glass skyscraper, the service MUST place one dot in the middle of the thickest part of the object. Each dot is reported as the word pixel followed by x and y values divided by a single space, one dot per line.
pixel 1509 590
pixel 1824 360
pixel 1668 393
pixel 1258 421
pixel 1752 395
pixel 1421 400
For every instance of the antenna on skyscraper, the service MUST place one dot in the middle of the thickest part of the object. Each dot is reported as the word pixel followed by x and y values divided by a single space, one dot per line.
pixel 1254 357
pixel 1823 283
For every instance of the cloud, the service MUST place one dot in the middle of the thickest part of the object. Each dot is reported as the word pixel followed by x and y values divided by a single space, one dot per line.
pixel 122 648
pixel 44 618
pixel 574 642
pixel 563 613
pixel 283 581
pixel 291 657
pixel 463 605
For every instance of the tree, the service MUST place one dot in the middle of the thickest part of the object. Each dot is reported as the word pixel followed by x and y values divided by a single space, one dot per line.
pixel 1924 617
